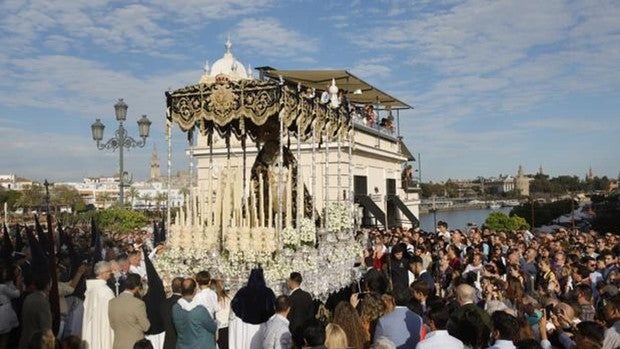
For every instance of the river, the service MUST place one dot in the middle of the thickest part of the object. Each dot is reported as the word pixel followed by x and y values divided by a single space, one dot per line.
pixel 458 219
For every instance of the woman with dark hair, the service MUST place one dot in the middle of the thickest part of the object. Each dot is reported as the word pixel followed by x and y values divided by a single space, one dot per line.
pixel 252 306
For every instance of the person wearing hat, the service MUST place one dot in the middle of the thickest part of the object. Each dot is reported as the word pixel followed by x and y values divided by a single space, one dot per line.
pixel 398 268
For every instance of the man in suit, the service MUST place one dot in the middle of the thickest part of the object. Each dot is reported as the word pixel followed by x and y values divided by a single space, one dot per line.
pixel 127 314
pixel 277 334
pixel 170 340
pixel 416 268
pixel 36 313
pixel 302 308
pixel 402 326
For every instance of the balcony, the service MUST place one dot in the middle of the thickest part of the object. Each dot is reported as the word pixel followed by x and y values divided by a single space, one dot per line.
pixel 361 123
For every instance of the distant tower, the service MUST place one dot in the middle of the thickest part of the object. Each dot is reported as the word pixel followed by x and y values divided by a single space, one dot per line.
pixel 522 183
pixel 155 174
pixel 590 174
pixel 540 170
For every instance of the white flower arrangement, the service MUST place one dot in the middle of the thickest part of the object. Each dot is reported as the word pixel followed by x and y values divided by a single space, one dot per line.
pixel 307 231
pixel 339 216
pixel 289 237
pixel 326 268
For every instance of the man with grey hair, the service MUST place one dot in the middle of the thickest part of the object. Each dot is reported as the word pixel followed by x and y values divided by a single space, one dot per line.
pixel 96 330
pixel 466 297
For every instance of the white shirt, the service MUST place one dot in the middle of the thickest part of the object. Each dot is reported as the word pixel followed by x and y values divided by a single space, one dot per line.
pixel 8 291
pixel 277 334
pixel 503 344
pixel 140 270
pixel 222 316
pixel 208 299
pixel 440 339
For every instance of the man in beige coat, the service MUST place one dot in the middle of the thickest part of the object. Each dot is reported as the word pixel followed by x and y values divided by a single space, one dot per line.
pixel 128 315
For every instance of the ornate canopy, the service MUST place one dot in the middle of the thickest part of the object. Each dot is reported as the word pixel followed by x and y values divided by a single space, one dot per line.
pixel 253 108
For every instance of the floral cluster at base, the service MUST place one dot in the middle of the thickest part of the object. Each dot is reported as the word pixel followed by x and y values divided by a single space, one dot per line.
pixel 338 216
pixel 289 237
pixel 307 231
pixel 324 256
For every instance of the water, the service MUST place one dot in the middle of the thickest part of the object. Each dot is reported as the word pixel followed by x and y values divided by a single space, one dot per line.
pixel 458 219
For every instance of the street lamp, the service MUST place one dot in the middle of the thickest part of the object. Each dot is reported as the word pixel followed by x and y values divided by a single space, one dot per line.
pixel 121 139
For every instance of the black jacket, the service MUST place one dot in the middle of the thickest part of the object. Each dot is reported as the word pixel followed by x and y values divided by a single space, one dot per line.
pixel 302 310
pixel 170 341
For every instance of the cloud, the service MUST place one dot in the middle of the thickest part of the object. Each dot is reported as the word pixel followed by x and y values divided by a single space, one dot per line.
pixel 199 10
pixel 371 70
pixel 136 26
pixel 268 37
pixel 86 87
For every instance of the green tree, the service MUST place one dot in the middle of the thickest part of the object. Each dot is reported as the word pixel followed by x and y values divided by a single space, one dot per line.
pixel 11 197
pixel 64 195
pixel 544 213
pixel 160 198
pixel 499 221
pixel 32 196
pixel 119 220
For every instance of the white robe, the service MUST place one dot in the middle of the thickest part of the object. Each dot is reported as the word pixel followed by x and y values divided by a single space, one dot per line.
pixel 96 330
pixel 243 335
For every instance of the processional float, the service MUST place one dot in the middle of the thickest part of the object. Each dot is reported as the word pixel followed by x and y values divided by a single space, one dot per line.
pixel 236 221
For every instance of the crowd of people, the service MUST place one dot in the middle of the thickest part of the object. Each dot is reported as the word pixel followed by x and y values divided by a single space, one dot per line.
pixel 448 288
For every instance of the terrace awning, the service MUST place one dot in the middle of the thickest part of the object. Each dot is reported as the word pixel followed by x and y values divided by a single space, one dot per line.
pixel 320 80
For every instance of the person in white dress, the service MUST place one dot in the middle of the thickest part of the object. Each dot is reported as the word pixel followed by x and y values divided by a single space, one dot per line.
pixel 96 330
pixel 252 306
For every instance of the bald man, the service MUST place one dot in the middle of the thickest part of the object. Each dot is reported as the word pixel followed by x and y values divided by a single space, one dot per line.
pixel 466 297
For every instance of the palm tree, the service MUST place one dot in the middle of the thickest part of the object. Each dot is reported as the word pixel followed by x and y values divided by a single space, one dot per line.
pixel 105 197
pixel 146 197
pixel 133 194
pixel 159 198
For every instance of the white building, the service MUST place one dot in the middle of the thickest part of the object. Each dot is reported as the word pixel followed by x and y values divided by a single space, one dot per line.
pixel 102 192
pixel 13 182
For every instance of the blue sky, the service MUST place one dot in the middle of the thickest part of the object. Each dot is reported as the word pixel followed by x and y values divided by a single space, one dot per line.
pixel 494 84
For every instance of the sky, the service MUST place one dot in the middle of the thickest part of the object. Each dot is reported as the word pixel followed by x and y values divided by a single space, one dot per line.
pixel 494 84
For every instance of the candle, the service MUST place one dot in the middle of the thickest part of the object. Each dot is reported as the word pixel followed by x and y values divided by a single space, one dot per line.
pixel 209 197
pixel 289 198
pixel 270 204
pixel 261 199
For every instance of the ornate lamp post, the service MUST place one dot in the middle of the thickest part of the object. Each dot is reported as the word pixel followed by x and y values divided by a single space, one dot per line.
pixel 121 139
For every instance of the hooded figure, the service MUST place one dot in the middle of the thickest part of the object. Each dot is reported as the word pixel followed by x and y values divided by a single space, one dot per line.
pixel 252 306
